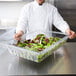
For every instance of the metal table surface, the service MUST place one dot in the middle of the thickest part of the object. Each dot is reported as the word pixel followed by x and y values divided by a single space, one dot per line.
pixel 57 63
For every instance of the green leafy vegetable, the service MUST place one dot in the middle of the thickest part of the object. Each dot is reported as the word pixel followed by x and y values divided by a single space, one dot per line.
pixel 39 43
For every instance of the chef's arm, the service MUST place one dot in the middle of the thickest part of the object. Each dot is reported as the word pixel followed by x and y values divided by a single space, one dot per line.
pixel 59 22
pixel 62 25
pixel 18 35
pixel 23 19
pixel 22 24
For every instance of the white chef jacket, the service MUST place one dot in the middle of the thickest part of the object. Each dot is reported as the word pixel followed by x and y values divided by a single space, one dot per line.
pixel 35 17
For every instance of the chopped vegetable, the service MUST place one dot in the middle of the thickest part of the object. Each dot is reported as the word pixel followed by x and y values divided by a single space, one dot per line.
pixel 39 43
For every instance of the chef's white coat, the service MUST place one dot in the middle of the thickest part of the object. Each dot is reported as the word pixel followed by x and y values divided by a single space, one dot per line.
pixel 35 17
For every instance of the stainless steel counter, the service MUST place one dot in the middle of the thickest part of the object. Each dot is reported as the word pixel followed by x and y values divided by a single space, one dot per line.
pixel 55 64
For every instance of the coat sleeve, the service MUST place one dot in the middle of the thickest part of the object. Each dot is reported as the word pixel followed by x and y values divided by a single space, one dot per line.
pixel 23 20
pixel 58 21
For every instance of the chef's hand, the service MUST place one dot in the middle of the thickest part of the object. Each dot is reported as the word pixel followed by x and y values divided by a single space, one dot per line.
pixel 70 33
pixel 18 35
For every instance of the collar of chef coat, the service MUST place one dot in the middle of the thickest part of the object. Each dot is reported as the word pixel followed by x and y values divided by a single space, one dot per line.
pixel 37 5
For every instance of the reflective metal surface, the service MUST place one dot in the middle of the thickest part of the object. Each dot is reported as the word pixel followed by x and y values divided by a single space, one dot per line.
pixel 70 57
pixel 55 64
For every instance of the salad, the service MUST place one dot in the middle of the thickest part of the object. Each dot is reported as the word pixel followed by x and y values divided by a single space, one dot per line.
pixel 39 43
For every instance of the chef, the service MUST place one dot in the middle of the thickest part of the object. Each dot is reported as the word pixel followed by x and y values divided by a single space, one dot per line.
pixel 40 15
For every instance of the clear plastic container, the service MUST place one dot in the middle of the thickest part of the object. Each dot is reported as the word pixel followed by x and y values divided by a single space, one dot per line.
pixel 33 55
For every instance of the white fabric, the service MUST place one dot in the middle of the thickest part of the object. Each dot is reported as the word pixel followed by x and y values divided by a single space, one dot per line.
pixel 35 17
